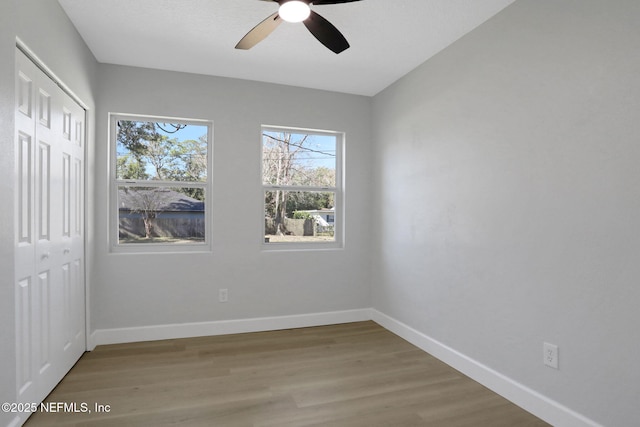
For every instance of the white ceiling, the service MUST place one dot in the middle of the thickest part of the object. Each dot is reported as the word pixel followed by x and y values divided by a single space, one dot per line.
pixel 388 38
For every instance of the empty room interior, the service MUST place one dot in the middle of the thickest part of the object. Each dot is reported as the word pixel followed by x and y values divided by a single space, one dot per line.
pixel 453 185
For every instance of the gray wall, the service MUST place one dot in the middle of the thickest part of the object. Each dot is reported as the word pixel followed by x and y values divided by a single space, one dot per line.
pixel 158 289
pixel 44 28
pixel 511 157
pixel 512 160
pixel 7 299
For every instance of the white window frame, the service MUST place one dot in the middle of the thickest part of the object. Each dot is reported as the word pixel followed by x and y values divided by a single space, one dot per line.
pixel 113 239
pixel 339 214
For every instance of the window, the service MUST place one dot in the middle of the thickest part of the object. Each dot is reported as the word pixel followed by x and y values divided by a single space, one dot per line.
pixel 161 183
pixel 302 185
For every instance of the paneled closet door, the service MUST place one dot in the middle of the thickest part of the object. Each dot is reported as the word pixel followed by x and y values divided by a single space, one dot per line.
pixel 71 207
pixel 49 275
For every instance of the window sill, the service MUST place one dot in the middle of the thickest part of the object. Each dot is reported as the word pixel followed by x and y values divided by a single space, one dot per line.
pixel 301 247
pixel 155 248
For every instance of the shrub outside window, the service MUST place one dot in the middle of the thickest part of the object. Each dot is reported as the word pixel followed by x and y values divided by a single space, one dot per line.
pixel 302 186
pixel 161 183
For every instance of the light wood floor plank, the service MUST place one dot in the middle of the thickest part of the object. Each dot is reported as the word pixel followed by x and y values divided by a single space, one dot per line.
pixel 349 375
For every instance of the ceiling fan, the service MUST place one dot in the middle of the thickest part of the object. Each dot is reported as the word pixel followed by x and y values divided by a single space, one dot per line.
pixel 299 11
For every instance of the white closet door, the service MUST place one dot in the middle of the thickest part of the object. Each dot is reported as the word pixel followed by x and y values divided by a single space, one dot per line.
pixel 70 204
pixel 49 232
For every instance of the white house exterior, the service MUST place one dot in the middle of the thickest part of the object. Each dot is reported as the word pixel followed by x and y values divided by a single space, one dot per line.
pixel 323 217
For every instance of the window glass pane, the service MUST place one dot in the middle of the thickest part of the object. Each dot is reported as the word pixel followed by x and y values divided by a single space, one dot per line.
pixel 161 215
pixel 161 151
pixel 298 159
pixel 299 216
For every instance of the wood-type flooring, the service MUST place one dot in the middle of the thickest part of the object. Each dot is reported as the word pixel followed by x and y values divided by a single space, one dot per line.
pixel 348 375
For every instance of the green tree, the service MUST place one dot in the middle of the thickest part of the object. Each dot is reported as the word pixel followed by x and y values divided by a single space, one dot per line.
pixel 144 153
pixel 190 164
pixel 129 167
pixel 135 136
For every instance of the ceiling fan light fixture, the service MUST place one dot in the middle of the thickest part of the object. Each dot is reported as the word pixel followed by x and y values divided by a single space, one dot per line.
pixel 294 11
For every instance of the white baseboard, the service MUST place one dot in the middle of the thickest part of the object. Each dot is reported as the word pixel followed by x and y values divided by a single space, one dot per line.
pixel 223 327
pixel 530 400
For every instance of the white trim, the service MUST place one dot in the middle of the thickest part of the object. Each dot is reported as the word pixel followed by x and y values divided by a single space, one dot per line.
pixel 43 67
pixel 224 327
pixel 115 247
pixel 338 190
pixel 528 399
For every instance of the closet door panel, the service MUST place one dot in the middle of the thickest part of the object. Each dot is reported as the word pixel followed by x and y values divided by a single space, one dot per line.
pixel 49 232
pixel 72 236
pixel 27 351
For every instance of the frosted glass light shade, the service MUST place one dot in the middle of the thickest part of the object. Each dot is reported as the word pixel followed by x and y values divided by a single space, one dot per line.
pixel 294 11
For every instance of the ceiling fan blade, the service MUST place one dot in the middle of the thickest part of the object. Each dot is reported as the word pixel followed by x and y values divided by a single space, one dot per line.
pixel 259 32
pixel 326 33
pixel 317 2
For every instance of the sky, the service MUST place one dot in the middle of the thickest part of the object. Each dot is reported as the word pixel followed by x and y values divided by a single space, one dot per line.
pixel 189 132
pixel 318 150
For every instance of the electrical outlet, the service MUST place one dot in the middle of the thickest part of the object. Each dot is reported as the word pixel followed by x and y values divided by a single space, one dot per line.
pixel 223 295
pixel 550 354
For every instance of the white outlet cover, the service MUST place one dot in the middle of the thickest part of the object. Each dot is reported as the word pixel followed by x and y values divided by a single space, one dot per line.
pixel 550 355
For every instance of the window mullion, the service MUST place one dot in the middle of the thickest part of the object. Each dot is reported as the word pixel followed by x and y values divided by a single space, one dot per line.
pixel 163 184
pixel 268 187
